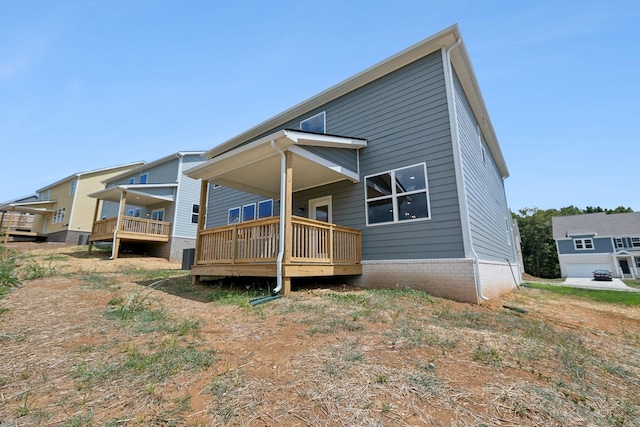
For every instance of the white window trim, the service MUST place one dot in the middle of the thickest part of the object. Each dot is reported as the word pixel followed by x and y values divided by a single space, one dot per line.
pixel 394 196
pixel 635 242
pixel 72 188
pixel 583 242
pixel 618 242
pixel 146 178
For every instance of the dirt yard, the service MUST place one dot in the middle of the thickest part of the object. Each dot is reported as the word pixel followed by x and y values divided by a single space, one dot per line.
pixel 130 342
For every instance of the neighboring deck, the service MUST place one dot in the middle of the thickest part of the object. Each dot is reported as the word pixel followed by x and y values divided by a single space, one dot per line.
pixel 131 228
pixel 314 248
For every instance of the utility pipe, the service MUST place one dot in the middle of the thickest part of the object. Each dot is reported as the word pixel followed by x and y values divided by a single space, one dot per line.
pixel 283 210
pixel 454 127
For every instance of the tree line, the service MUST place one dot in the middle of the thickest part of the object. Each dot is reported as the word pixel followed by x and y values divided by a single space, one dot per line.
pixel 539 252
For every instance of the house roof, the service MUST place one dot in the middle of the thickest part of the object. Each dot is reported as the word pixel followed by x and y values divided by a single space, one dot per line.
pixel 34 207
pixel 258 169
pixel 23 199
pixel 89 172
pixel 137 194
pixel 444 39
pixel 145 165
pixel 597 224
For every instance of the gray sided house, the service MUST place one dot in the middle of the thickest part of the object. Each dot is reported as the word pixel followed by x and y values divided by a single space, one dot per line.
pixel 598 242
pixel 151 209
pixel 391 179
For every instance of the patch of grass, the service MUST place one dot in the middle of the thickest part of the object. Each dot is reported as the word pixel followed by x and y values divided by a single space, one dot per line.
pixel 612 297
pixel 97 280
pixel 488 356
pixel 32 270
pixel 633 283
pixel 8 270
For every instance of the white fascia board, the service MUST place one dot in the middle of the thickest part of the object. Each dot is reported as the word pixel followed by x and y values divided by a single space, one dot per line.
pixel 324 140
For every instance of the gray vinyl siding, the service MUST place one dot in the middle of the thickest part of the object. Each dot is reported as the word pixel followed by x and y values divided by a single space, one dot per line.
pixel 489 218
pixel 600 246
pixel 165 173
pixel 340 156
pixel 404 118
pixel 188 195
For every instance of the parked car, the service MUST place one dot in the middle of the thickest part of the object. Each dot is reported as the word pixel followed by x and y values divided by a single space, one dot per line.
pixel 602 275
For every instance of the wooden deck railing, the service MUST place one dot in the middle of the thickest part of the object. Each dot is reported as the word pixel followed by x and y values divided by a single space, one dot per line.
pixel 257 242
pixel 129 224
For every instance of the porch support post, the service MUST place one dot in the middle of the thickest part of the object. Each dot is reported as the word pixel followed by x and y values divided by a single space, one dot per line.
pixel 8 229
pixel 2 222
pixel 202 212
pixel 95 218
pixel 288 235
pixel 116 239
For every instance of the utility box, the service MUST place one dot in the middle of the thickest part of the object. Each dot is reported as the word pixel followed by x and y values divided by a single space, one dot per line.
pixel 188 256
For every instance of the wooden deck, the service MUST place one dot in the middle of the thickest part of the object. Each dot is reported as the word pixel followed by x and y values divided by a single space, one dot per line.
pixel 251 249
pixel 131 228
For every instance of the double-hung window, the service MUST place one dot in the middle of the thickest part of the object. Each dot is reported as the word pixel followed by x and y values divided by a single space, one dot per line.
pixel 583 244
pixel 635 242
pixel 398 195
pixel 72 188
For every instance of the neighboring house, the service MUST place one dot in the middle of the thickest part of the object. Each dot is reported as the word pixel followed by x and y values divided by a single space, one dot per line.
pixel 392 178
pixel 62 211
pixel 16 224
pixel 152 208
pixel 598 241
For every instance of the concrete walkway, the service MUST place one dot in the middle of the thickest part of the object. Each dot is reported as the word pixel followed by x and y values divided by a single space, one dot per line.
pixel 588 283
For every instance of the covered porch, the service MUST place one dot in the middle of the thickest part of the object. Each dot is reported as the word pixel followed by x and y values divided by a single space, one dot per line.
pixel 18 219
pixel 283 246
pixel 127 228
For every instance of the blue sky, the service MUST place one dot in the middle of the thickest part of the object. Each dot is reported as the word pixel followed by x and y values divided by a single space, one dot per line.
pixel 90 84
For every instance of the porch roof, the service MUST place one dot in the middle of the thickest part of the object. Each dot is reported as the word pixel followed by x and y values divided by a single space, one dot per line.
pixel 136 194
pixel 255 167
pixel 39 207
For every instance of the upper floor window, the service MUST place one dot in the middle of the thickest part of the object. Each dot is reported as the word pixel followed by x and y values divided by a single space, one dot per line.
pixel 635 242
pixel 131 181
pixel 397 196
pixel 315 123
pixel 143 178
pixel 583 244
pixel 233 216
pixel 72 187
pixel 619 242
pixel 45 196
pixel 134 212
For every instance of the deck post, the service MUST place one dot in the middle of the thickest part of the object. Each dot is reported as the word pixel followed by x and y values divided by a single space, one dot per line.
pixel 8 230
pixel 288 237
pixel 202 213
pixel 2 221
pixel 95 218
pixel 116 240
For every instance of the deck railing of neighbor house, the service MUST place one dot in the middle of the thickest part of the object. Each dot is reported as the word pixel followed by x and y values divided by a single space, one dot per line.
pixel 257 242
pixel 131 225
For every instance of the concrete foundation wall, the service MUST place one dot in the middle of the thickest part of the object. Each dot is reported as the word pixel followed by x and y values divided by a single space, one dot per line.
pixel 69 237
pixel 178 244
pixel 498 278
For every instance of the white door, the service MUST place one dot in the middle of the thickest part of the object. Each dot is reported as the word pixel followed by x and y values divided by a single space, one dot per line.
pixel 320 209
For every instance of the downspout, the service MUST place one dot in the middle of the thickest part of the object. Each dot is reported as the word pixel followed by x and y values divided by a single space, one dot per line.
pixel 455 138
pixel 283 210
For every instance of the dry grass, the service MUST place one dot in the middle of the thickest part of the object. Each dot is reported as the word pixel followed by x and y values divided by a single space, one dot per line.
pixel 327 356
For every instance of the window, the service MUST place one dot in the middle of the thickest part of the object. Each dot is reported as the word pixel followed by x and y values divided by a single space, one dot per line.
pixel 143 178
pixel 234 216
pixel 157 215
pixel 59 215
pixel 45 196
pixel 72 188
pixel 132 181
pixel 583 244
pixel 195 209
pixel 249 212
pixel 134 212
pixel 397 196
pixel 635 242
pixel 316 123
pixel 265 209
pixel 619 242
pixel 216 186
pixel 637 261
